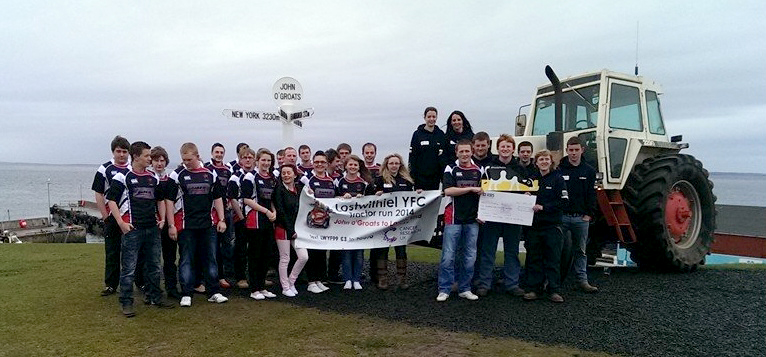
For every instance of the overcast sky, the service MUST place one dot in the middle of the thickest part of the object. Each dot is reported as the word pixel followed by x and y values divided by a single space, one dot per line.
pixel 74 74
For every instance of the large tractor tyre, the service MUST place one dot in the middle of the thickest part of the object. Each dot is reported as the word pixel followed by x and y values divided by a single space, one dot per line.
pixel 671 204
pixel 567 256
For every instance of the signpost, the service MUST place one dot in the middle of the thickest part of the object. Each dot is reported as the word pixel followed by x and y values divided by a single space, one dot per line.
pixel 287 95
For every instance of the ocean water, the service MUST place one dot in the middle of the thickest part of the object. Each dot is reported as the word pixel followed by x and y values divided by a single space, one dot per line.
pixel 25 188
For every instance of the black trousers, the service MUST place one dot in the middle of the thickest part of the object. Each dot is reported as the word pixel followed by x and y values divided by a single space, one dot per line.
pixel 334 265
pixel 169 258
pixel 112 247
pixel 258 254
pixel 240 251
pixel 316 267
pixel 543 245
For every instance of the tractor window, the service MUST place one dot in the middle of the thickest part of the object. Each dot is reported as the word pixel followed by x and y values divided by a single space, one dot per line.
pixel 625 108
pixel 617 147
pixel 579 108
pixel 654 114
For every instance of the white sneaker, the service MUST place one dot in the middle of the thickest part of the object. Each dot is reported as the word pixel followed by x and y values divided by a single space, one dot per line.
pixel 288 293
pixel 268 294
pixel 314 288
pixel 322 286
pixel 294 290
pixel 357 286
pixel 257 295
pixel 468 295
pixel 186 301
pixel 442 297
pixel 348 285
pixel 218 298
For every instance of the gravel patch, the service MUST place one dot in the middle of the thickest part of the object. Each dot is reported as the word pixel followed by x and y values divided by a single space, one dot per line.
pixel 710 312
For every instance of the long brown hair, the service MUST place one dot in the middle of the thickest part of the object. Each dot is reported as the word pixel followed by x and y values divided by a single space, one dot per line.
pixel 388 177
pixel 364 173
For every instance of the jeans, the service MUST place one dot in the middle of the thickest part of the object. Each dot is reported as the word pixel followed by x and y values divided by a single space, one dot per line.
pixel 488 249
pixel 191 241
pixel 544 246
pixel 225 254
pixel 579 229
pixel 112 247
pixel 352 264
pixel 458 237
pixel 147 241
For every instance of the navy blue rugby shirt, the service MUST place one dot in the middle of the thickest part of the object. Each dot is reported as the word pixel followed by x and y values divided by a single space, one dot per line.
pixel 399 184
pixel 259 188
pixel 324 187
pixel 104 176
pixel 136 194
pixel 353 187
pixel 462 209
pixel 193 192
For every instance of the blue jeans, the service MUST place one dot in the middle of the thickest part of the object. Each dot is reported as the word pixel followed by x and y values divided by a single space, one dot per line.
pixel 202 241
pixel 146 241
pixel 488 249
pixel 579 230
pixel 456 237
pixel 352 264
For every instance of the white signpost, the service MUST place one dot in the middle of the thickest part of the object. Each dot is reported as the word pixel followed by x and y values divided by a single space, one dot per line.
pixel 287 94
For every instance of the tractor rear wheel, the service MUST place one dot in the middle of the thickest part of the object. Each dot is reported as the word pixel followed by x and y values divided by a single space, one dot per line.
pixel 672 207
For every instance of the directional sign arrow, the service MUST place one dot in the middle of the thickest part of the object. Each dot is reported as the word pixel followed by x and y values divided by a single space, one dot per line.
pixel 271 116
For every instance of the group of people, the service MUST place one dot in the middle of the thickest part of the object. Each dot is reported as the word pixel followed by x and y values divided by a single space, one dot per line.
pixel 228 222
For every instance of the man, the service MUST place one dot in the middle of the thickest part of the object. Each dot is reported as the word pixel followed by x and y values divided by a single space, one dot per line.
pixel 344 150
pixel 234 164
pixel 225 251
pixel 280 158
pixel 504 166
pixel 369 150
pixel 291 157
pixel 526 162
pixel 233 192
pixel 112 234
pixel 481 155
pixel 304 151
pixel 160 161
pixel 578 213
pixel 462 183
pixel 189 219
pixel 136 215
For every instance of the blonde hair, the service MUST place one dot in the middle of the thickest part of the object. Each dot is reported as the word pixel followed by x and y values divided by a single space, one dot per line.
pixel 388 177
pixel 545 152
pixel 189 148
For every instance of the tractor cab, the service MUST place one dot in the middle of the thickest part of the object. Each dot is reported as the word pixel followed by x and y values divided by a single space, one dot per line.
pixel 617 117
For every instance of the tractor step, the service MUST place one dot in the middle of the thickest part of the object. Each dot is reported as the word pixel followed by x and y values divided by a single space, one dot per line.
pixel 613 208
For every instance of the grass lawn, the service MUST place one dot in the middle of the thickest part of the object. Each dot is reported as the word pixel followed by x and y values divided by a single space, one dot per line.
pixel 49 305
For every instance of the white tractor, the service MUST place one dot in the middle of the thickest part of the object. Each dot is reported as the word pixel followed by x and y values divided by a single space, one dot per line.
pixel 653 199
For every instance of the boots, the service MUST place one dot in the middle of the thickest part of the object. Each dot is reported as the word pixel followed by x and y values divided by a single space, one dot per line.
pixel 401 273
pixel 382 274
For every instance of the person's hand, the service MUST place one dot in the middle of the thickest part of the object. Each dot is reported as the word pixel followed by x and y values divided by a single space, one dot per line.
pixel 586 218
pixel 528 193
pixel 172 233
pixel 221 226
pixel 479 221
pixel 271 215
pixel 295 235
pixel 378 193
pixel 347 195
pixel 419 191
pixel 161 223
pixel 537 208
pixel 358 195
pixel 478 190
pixel 125 227
pixel 310 191
pixel 240 216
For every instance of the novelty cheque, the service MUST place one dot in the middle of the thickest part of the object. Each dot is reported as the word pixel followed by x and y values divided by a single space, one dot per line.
pixel 391 219
pixel 500 204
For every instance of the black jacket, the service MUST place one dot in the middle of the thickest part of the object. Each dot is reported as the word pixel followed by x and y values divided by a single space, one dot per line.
pixel 287 203
pixel 529 171
pixel 494 170
pixel 580 181
pixel 552 195
pixel 426 153
pixel 451 139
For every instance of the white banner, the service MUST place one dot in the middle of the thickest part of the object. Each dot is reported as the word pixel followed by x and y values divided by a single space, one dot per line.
pixel 390 219
pixel 506 207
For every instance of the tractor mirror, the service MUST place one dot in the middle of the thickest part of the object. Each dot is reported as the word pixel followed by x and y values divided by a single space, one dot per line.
pixel 521 123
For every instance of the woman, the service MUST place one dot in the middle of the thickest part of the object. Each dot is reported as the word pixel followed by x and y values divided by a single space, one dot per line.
pixel 257 189
pixel 544 239
pixel 393 177
pixel 458 128
pixel 427 153
pixel 286 201
pixel 318 183
pixel 354 184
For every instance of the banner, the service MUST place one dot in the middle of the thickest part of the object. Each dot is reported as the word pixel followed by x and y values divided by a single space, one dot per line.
pixel 391 219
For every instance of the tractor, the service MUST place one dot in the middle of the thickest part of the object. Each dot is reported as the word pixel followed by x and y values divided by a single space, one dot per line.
pixel 653 199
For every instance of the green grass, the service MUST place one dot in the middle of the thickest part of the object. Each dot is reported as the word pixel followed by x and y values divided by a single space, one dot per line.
pixel 49 305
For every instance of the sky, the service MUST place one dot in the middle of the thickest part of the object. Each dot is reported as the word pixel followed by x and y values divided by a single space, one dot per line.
pixel 75 74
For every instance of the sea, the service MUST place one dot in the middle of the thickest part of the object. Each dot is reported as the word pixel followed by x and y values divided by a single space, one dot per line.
pixel 27 190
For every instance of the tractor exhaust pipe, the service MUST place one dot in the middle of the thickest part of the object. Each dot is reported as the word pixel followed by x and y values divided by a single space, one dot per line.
pixel 556 96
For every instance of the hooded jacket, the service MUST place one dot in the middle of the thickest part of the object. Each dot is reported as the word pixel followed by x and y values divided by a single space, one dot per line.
pixel 426 153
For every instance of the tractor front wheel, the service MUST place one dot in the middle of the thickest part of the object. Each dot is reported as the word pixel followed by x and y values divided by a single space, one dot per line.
pixel 672 207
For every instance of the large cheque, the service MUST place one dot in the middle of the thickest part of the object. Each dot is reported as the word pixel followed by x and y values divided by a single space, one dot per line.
pixel 506 207
pixel 391 219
